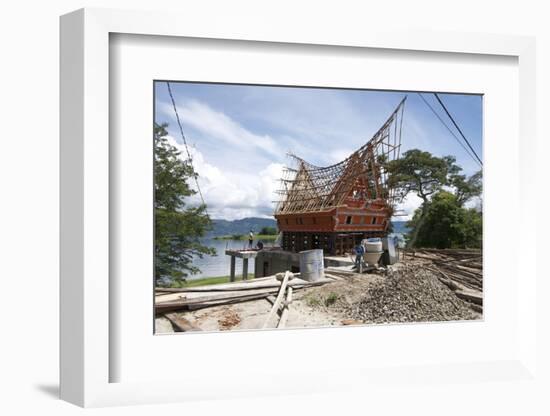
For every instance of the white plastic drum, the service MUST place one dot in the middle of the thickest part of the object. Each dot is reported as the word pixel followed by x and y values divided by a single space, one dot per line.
pixel 312 266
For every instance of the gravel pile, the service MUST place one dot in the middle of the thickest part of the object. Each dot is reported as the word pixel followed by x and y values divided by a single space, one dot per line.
pixel 411 294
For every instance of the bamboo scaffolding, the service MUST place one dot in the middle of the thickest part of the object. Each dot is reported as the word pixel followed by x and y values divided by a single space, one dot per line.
pixel 309 188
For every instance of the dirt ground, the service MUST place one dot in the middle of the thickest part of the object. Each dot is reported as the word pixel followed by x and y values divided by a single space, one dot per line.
pixel 406 292
pixel 311 307
pixel 321 306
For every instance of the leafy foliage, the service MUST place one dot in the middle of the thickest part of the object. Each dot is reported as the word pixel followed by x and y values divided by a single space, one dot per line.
pixel 441 221
pixel 467 188
pixel 419 172
pixel 268 231
pixel 178 228
pixel 446 224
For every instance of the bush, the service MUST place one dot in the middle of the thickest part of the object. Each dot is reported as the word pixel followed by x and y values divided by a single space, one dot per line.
pixel 268 231
pixel 446 224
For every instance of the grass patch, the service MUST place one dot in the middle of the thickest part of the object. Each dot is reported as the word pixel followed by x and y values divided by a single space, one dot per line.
pixel 215 280
pixel 331 299
pixel 317 300
pixel 313 301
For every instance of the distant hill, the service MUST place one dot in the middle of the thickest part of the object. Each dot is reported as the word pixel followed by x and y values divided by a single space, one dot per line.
pixel 242 226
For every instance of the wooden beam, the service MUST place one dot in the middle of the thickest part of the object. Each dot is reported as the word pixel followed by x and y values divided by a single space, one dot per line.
pixel 251 285
pixel 174 306
pixel 279 298
pixel 245 269
pixel 224 298
pixel 232 270
pixel 181 324
pixel 286 310
pixel 208 297
pixel 473 297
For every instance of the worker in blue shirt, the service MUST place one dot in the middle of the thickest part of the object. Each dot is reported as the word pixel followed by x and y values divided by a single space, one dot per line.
pixel 359 252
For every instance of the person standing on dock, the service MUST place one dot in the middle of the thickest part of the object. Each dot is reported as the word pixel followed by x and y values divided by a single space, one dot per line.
pixel 250 239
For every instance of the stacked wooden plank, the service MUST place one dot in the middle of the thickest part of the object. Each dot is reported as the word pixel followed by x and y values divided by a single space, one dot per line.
pixel 461 270
pixel 172 299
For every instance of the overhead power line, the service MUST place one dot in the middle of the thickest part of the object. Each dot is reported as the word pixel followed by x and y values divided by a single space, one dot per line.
pixel 185 142
pixel 458 128
pixel 448 128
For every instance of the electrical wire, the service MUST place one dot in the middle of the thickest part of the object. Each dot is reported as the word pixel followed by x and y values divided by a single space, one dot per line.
pixel 448 128
pixel 185 142
pixel 458 128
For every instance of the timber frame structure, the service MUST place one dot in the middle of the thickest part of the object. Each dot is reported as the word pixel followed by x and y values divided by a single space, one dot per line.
pixel 334 207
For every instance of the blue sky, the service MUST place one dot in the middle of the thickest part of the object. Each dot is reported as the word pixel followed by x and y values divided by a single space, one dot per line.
pixel 240 135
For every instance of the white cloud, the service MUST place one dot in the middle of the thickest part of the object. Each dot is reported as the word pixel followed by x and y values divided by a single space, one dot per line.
pixel 476 202
pixel 407 207
pixel 241 147
pixel 219 126
pixel 340 154
pixel 232 194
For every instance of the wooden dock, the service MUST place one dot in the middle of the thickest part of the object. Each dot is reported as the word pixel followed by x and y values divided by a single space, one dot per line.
pixel 242 254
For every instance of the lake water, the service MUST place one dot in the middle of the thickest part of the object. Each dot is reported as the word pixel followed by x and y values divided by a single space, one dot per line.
pixel 219 265
pixel 211 266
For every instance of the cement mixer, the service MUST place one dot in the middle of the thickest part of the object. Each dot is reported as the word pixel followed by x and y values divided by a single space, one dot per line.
pixel 373 250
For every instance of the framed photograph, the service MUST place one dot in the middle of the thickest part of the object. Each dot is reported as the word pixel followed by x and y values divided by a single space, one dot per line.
pixel 331 202
pixel 243 241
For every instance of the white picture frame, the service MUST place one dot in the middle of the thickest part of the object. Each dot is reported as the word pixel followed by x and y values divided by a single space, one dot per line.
pixel 86 353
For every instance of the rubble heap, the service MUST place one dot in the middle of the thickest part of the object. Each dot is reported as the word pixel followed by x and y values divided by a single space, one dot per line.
pixel 411 294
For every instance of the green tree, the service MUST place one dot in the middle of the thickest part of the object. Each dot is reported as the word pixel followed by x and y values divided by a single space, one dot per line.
pixel 268 231
pixel 178 228
pixel 447 224
pixel 466 188
pixel 429 176
pixel 422 173
pixel 419 172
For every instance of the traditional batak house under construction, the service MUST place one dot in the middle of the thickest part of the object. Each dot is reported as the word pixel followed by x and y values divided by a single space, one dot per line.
pixel 336 206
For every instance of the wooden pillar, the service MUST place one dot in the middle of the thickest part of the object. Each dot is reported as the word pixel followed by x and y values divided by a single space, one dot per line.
pixel 232 270
pixel 245 269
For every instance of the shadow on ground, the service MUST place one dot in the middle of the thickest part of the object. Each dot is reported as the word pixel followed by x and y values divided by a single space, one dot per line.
pixel 51 390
